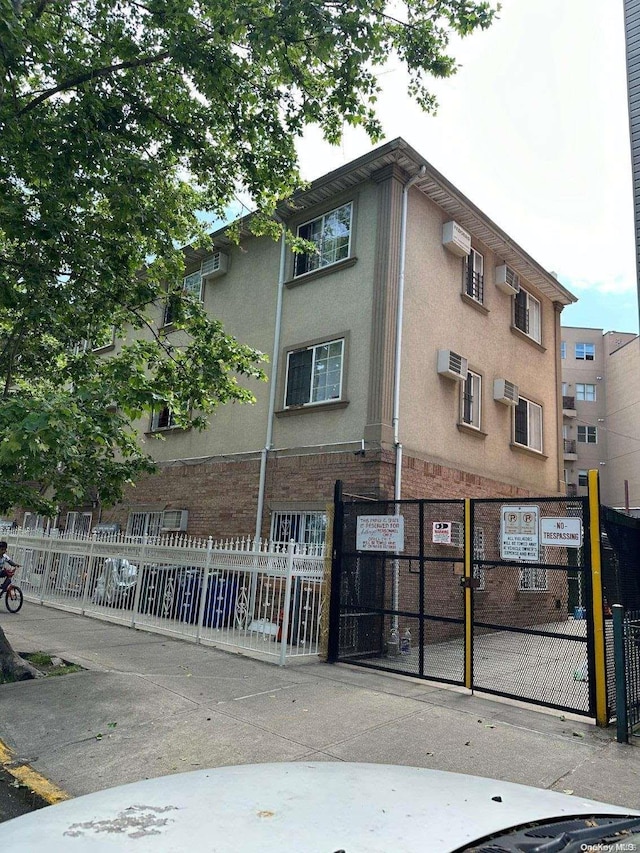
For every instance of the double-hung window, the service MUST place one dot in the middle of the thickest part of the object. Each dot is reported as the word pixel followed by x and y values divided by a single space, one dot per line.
pixel 585 352
pixel 314 374
pixel 331 234
pixel 526 314
pixel 583 478
pixel 471 400
pixel 474 276
pixel 563 349
pixel 528 424
pixel 586 391
pixel 588 434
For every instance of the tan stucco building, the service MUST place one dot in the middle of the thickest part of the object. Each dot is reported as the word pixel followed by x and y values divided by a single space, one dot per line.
pixel 416 354
pixel 601 413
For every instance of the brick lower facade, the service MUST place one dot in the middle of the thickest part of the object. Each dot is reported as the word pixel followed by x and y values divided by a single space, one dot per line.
pixel 221 495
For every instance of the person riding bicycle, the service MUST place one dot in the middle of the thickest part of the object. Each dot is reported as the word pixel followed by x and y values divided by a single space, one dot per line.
pixel 5 575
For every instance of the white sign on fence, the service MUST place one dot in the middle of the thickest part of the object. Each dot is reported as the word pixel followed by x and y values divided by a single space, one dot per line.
pixel 519 539
pixel 441 532
pixel 566 532
pixel 380 533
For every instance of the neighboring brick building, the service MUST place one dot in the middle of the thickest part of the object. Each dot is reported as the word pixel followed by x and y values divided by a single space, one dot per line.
pixel 476 411
pixel 601 413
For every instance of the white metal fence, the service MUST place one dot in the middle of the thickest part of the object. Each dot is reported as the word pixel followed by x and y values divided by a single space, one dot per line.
pixel 249 595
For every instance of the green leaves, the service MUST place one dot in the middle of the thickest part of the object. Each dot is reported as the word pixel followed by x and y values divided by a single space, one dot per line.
pixel 118 123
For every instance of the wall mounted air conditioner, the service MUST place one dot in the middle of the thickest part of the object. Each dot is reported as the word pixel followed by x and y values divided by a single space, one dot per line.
pixel 507 280
pixel 452 365
pixel 214 266
pixel 455 239
pixel 175 520
pixel 505 392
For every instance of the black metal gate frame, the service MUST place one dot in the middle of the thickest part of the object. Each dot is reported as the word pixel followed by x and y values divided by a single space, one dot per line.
pixel 595 623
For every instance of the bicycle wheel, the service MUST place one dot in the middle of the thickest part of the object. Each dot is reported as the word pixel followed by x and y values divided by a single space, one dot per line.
pixel 13 599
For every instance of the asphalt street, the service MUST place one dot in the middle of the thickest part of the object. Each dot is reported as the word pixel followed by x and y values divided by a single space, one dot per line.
pixel 15 799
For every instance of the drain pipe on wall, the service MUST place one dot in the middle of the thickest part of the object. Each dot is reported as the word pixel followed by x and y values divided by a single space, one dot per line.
pixel 272 390
pixel 397 486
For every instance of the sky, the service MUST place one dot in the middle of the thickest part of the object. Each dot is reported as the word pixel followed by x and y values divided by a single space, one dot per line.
pixel 534 129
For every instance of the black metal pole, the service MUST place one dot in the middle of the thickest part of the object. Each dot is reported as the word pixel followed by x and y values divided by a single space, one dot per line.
pixel 336 575
pixel 619 656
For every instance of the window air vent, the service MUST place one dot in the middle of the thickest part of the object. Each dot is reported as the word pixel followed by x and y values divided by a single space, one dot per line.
pixel 452 365
pixel 507 280
pixel 174 520
pixel 505 392
pixel 214 266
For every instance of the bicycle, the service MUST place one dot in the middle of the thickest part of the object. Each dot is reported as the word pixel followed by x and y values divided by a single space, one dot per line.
pixel 13 596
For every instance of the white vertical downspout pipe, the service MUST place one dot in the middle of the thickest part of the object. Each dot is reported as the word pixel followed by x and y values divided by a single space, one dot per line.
pixel 272 389
pixel 397 486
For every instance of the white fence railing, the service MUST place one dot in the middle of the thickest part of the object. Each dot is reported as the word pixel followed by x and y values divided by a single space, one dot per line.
pixel 249 595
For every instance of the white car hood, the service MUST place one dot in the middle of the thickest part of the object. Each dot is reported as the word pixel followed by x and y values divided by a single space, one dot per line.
pixel 305 807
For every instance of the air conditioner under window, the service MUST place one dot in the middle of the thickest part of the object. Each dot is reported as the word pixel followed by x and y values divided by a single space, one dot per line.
pixel 506 392
pixel 175 520
pixel 452 365
pixel 214 266
pixel 507 280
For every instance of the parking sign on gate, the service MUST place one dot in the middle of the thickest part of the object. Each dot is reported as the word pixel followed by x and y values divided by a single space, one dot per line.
pixel 519 535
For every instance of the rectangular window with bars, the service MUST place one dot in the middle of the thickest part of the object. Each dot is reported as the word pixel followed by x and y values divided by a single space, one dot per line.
pixel 528 424
pixel 306 528
pixel 533 579
pixel 471 400
pixel 474 276
pixel 527 314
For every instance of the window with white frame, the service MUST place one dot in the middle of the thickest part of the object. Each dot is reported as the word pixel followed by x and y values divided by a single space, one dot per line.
pixel 583 478
pixel 78 523
pixel 526 314
pixel 588 434
pixel 191 287
pixel 144 523
pixel 162 418
pixel 585 352
pixel 307 528
pixel 563 349
pixel 565 389
pixel 474 276
pixel 533 579
pixel 103 337
pixel 331 234
pixel 527 426
pixel 586 391
pixel 35 521
pixel 471 400
pixel 314 374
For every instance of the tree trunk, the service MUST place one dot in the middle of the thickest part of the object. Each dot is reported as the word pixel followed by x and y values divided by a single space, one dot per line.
pixel 12 666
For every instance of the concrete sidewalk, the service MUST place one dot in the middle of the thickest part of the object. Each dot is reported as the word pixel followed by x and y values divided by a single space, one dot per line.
pixel 148 705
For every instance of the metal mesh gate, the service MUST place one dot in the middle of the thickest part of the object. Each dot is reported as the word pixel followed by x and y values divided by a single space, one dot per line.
pixel 404 612
pixel 532 626
pixel 506 612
